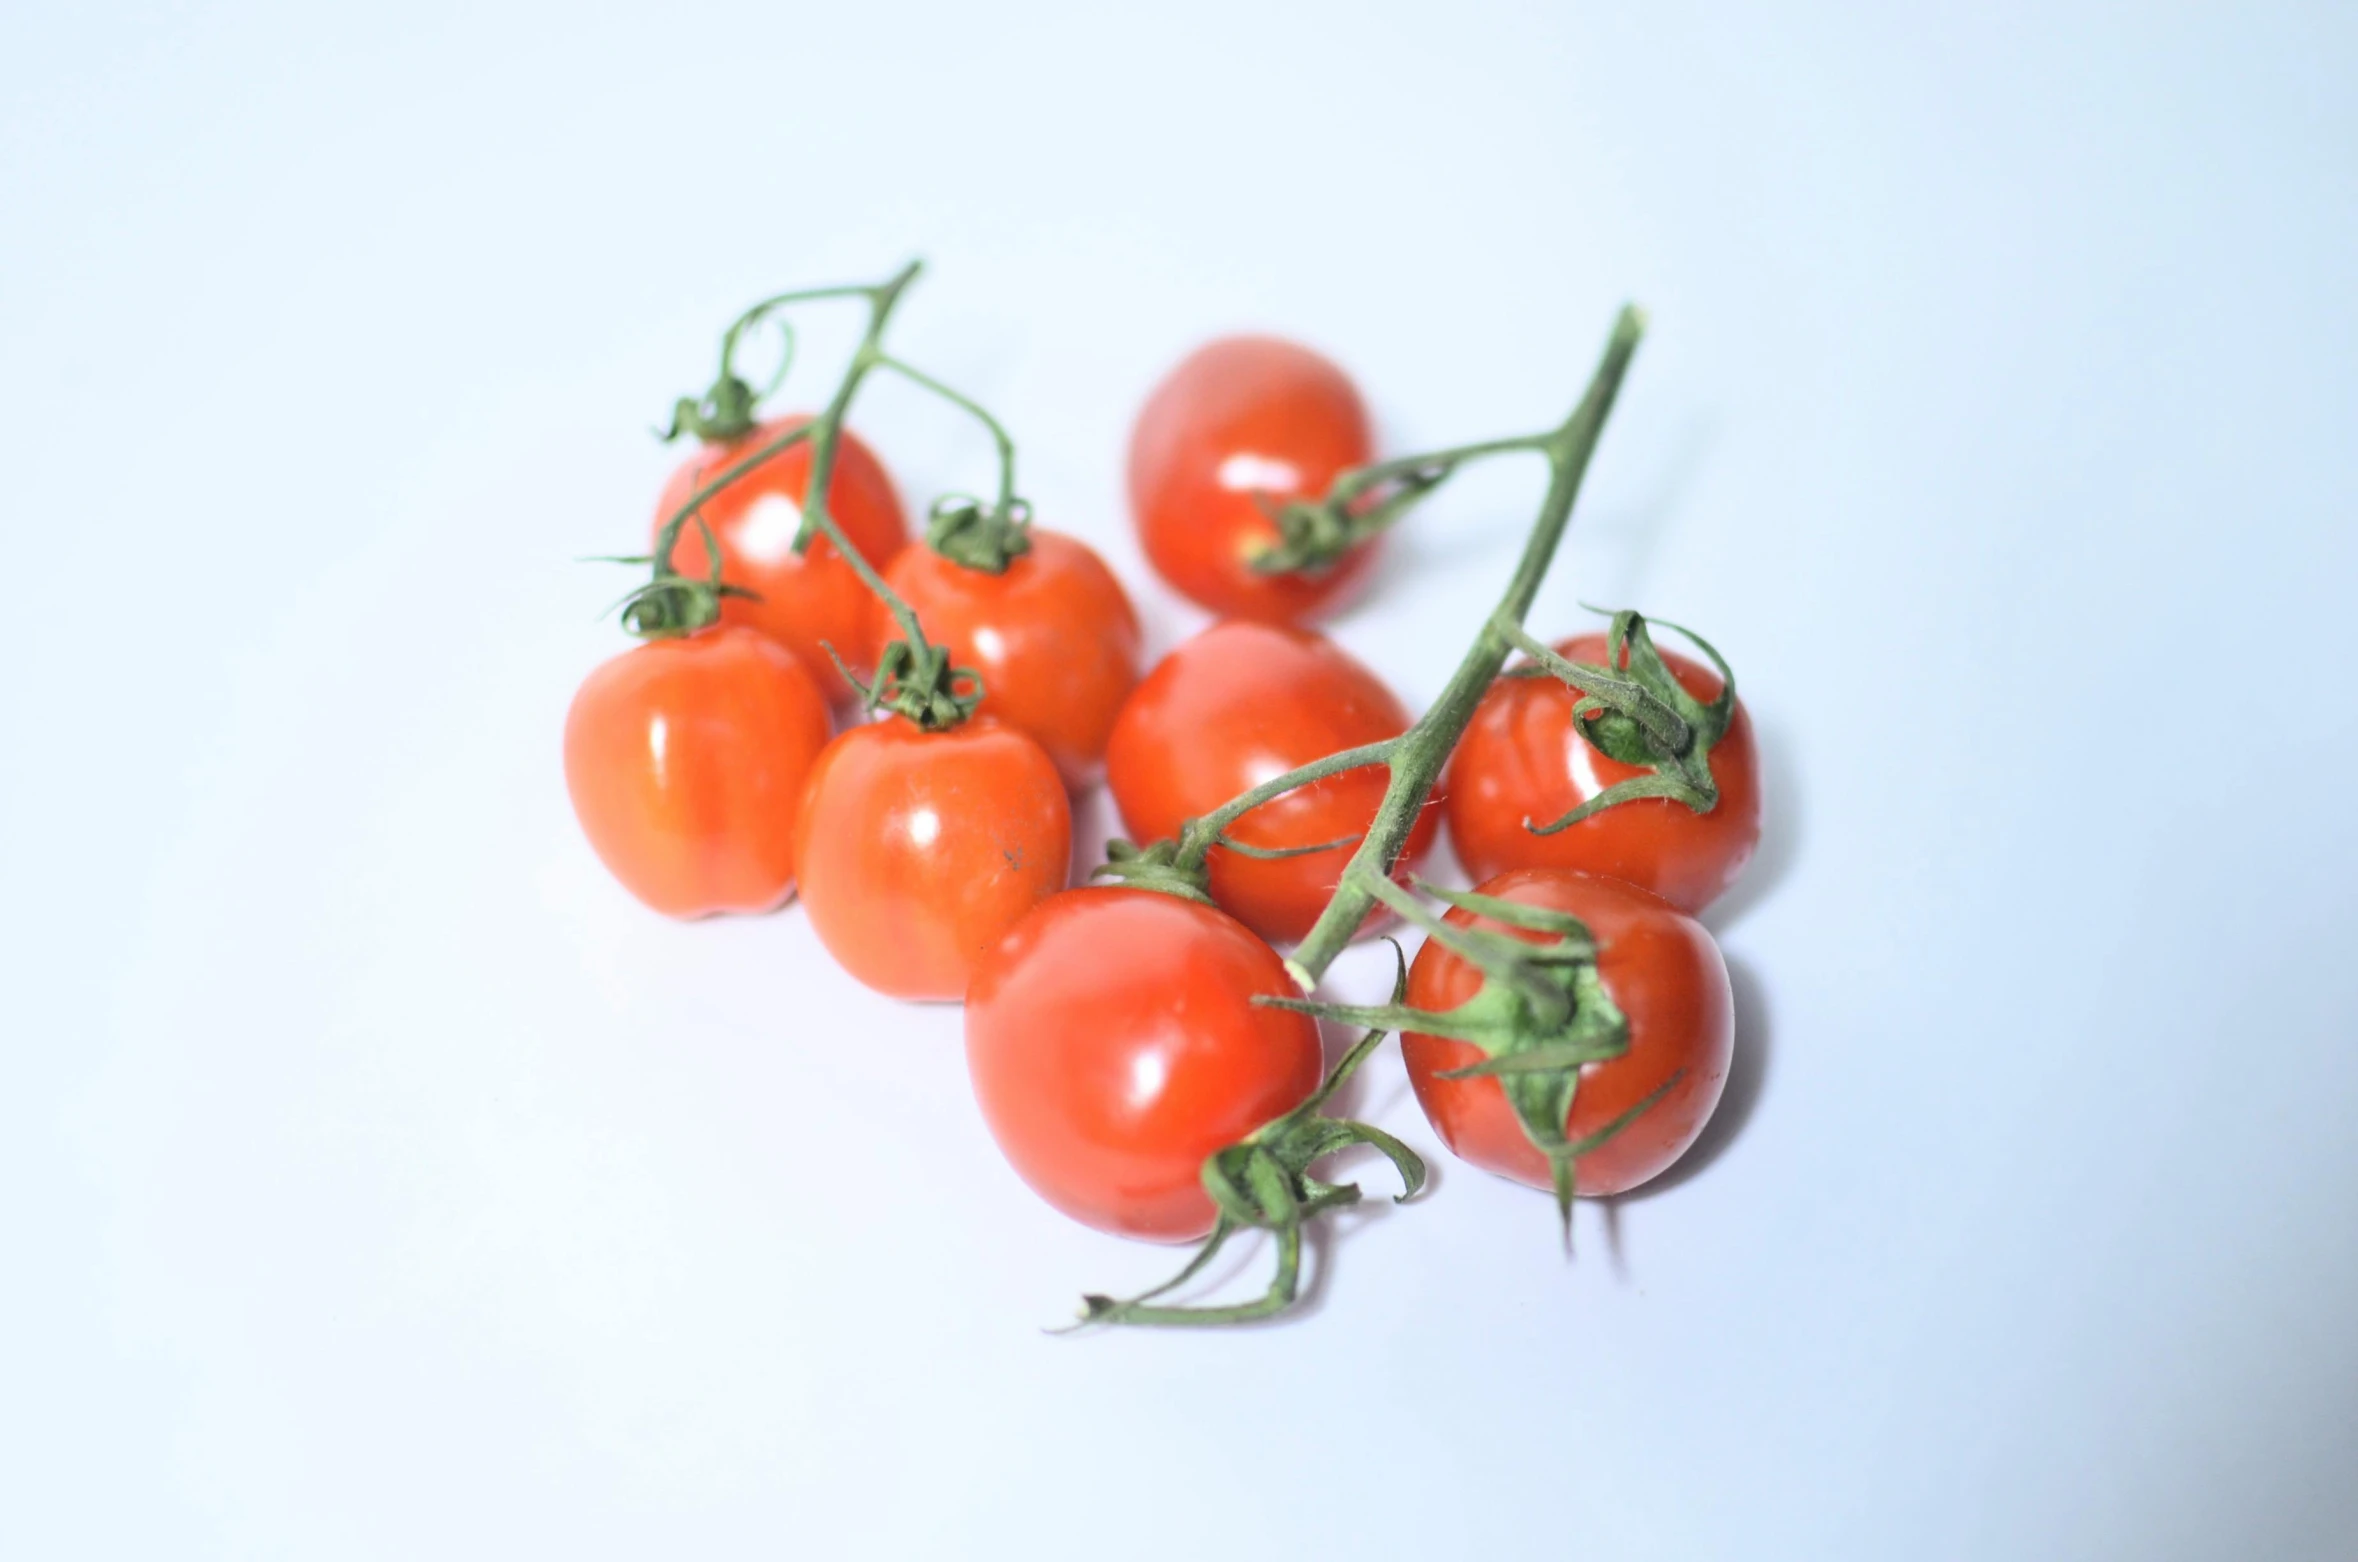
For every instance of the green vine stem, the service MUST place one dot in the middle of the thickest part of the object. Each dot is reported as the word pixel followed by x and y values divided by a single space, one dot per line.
pixel 913 676
pixel 960 527
pixel 1542 1015
pixel 1416 758
pixel 1313 534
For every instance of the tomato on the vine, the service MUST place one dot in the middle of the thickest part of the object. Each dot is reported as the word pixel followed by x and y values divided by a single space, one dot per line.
pixel 1053 638
pixel 1241 704
pixel 1523 763
pixel 686 759
pixel 800 600
pixel 1115 1045
pixel 1243 423
pixel 1664 974
pixel 918 849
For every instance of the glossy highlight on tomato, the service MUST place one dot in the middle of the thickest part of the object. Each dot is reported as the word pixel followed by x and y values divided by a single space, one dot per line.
pixel 1521 760
pixel 686 758
pixel 918 849
pixel 1114 1046
pixel 1242 421
pixel 1053 638
pixel 1240 704
pixel 1665 974
pixel 807 598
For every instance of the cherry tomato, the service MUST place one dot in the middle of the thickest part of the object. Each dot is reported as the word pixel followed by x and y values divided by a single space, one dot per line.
pixel 1238 705
pixel 1663 972
pixel 1239 420
pixel 919 849
pixel 686 760
pixel 1521 760
pixel 1115 1046
pixel 804 598
pixel 1054 638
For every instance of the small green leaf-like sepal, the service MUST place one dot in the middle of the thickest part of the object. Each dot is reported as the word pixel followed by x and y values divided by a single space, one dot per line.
pixel 1262 1182
pixel 916 681
pixel 1635 712
pixel 1154 866
pixel 982 537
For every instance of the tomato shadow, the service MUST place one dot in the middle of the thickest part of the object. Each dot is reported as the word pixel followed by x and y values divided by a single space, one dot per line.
pixel 1095 822
pixel 1783 828
pixel 1739 1099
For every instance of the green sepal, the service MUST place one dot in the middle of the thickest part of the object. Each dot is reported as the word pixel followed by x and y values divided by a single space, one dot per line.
pixel 915 681
pixel 982 537
pixel 1635 712
pixel 1263 1183
pixel 1315 534
pixel 729 409
pixel 1155 866
pixel 1542 1016
pixel 672 605
pixel 721 414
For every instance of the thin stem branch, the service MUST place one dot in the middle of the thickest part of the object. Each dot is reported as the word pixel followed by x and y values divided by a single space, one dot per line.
pixel 1422 752
pixel 999 435
pixel 669 536
pixel 1197 840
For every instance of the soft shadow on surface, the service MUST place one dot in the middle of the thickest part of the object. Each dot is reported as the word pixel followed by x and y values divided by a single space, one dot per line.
pixel 1783 827
pixel 1748 1073
pixel 1095 822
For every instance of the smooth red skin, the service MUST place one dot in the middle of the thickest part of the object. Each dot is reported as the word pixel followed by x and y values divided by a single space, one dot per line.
pixel 919 849
pixel 807 598
pixel 1054 638
pixel 1255 401
pixel 1666 975
pixel 1114 1046
pixel 1521 760
pixel 1232 708
pixel 686 761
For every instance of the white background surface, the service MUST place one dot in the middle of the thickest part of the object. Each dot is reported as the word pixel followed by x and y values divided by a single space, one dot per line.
pixel 379 1182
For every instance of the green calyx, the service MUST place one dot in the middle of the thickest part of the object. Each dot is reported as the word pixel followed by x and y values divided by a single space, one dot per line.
pixel 1635 711
pixel 728 410
pixel 1156 866
pixel 981 537
pixel 1263 1183
pixel 1542 1015
pixel 914 679
pixel 1314 534
pixel 672 605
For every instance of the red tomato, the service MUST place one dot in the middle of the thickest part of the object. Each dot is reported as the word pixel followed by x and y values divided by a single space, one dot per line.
pixel 1053 637
pixel 1521 760
pixel 1115 1046
pixel 805 598
pixel 1241 704
pixel 919 849
pixel 1239 419
pixel 686 760
pixel 1663 972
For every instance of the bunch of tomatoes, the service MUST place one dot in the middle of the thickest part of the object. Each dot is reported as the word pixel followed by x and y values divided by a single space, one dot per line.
pixel 892 728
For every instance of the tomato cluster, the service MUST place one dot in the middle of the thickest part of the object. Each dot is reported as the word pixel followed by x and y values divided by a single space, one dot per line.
pixel 894 730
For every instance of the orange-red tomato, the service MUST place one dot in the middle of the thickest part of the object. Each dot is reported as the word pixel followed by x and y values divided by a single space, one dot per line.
pixel 804 598
pixel 1664 973
pixel 1114 1047
pixel 1053 637
pixel 1521 760
pixel 686 761
pixel 917 849
pixel 1240 704
pixel 1241 419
